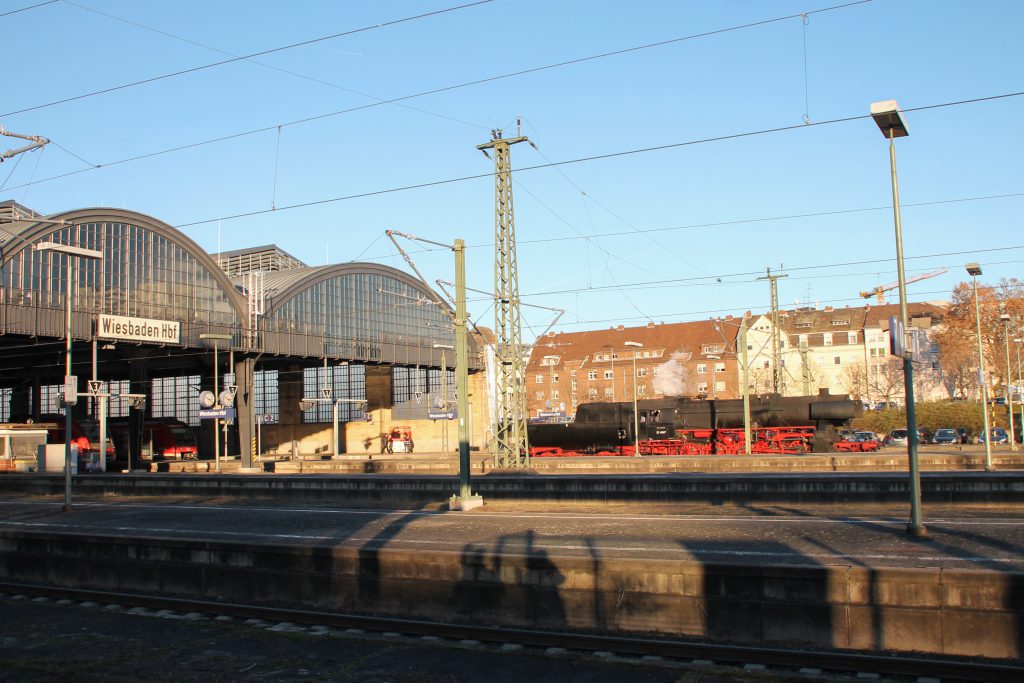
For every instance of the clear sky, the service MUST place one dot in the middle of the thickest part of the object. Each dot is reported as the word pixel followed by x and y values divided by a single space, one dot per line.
pixel 679 233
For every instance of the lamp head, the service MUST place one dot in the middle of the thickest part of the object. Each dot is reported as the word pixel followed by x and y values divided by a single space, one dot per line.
pixel 887 116
pixel 973 269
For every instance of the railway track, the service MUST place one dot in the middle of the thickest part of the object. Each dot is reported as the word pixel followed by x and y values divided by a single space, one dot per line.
pixel 807 662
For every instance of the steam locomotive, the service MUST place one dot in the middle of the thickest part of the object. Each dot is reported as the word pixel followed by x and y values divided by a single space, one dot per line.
pixel 682 426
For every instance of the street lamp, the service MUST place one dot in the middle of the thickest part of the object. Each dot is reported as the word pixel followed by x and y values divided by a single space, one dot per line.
pixel 636 415
pixel 1020 385
pixel 70 381
pixel 887 116
pixel 974 270
pixel 216 393
pixel 1005 317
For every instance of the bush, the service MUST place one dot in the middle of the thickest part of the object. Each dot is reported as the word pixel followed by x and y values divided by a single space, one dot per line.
pixel 934 415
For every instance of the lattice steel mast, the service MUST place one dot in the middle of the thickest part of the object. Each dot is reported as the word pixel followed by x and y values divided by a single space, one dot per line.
pixel 778 378
pixel 511 444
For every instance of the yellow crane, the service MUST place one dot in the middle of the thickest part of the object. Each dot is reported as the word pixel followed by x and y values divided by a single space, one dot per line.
pixel 880 290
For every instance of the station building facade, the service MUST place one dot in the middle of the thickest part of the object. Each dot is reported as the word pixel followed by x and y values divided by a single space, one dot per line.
pixel 148 315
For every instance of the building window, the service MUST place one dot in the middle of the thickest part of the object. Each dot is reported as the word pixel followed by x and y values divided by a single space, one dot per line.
pixel 591 393
pixel 719 386
pixel 702 388
pixel 657 371
pixel 608 392
pixel 540 379
pixel 837 360
pixel 641 372
pixel 345 381
pixel 702 368
pixel 719 367
pixel 767 364
pixel 572 373
pixel 851 337
pixel 539 396
pixel 641 389
pixel 608 374
pixel 592 374
pixel 549 360
pixel 803 341
pixel 554 394
pixel 826 339
pixel 840 323
pixel 712 348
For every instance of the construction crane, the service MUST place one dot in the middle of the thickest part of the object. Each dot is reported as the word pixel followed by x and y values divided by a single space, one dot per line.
pixel 35 142
pixel 882 289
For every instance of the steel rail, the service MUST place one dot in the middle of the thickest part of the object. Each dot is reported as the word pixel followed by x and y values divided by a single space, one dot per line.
pixel 891 664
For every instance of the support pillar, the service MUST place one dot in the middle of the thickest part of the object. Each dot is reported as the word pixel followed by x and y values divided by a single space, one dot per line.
pixel 245 407
pixel 137 376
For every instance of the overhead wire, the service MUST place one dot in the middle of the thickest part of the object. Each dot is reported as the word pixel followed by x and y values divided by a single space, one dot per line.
pixel 449 88
pixel 595 157
pixel 295 74
pixel 261 53
pixel 25 9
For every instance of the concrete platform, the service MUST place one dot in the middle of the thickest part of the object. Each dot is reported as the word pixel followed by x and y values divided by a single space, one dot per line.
pixel 790 575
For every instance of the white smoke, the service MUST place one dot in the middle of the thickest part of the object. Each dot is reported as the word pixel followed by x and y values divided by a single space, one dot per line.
pixel 673 378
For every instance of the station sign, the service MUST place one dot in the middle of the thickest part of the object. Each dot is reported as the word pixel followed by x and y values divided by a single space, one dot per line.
pixel 217 414
pixel 126 328
pixel 442 414
pixel 550 413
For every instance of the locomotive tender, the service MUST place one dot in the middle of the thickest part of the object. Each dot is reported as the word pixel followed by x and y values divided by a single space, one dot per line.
pixel 684 426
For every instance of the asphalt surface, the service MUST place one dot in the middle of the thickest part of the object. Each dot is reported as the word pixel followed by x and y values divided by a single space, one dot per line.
pixel 875 536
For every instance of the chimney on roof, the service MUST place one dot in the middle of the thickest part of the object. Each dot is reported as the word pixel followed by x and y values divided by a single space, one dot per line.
pixel 728 317
pixel 551 333
pixel 829 309
pixel 747 314
pixel 650 324
pixel 620 328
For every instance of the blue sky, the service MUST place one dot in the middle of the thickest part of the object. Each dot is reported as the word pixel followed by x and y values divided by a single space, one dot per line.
pixel 667 235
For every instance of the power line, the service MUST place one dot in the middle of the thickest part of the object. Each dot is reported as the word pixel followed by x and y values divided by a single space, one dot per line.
pixel 678 281
pixel 446 88
pixel 245 57
pixel 596 157
pixel 25 9
pixel 265 65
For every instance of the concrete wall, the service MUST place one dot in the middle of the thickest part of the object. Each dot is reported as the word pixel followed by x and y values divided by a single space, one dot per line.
pixel 952 612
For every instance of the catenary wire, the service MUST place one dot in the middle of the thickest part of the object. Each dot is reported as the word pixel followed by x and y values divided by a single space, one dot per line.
pixel 261 53
pixel 595 157
pixel 294 74
pixel 25 9
pixel 435 91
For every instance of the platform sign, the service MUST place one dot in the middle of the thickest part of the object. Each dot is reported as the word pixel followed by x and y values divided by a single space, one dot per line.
pixel 126 328
pixel 442 414
pixel 217 414
pixel 550 413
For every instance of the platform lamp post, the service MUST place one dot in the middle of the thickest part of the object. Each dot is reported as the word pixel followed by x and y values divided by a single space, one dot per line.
pixel 1020 386
pixel 1005 317
pixel 216 392
pixel 974 270
pixel 636 415
pixel 70 381
pixel 887 116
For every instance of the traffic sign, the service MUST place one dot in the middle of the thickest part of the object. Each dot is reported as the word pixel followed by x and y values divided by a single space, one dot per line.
pixel 95 386
pixel 326 392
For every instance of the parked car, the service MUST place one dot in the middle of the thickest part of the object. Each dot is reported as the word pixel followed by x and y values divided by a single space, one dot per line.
pixel 946 436
pixel 865 436
pixel 898 437
pixel 998 435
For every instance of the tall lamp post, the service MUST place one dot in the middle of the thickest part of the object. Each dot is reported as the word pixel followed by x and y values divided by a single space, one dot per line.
pixel 1005 317
pixel 974 270
pixel 1020 386
pixel 887 116
pixel 216 392
pixel 636 415
pixel 70 381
